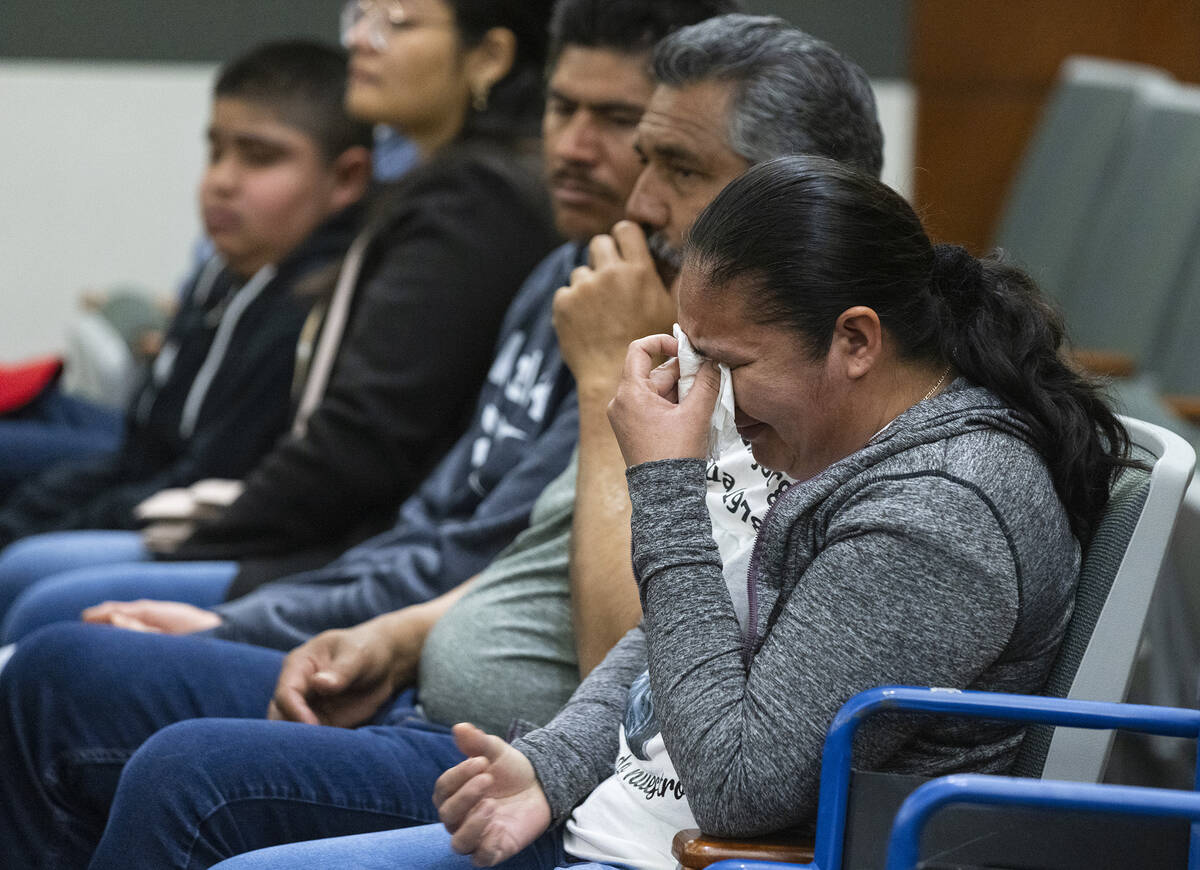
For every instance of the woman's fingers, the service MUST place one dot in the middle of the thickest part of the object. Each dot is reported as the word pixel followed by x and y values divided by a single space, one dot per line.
pixel 469 838
pixel 705 388
pixel 639 359
pixel 456 777
pixel 665 378
pixel 455 807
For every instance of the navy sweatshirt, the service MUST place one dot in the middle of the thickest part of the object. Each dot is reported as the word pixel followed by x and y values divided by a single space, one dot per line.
pixel 477 499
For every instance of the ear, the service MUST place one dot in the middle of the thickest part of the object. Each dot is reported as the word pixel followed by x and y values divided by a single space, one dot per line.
pixel 490 59
pixel 857 341
pixel 351 175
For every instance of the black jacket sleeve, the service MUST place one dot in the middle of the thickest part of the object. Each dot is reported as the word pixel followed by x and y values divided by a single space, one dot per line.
pixel 249 423
pixel 243 413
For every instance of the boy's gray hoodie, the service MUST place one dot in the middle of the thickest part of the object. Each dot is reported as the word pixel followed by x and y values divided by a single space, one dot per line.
pixel 939 554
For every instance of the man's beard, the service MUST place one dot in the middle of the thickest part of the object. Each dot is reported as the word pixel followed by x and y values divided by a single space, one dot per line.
pixel 668 259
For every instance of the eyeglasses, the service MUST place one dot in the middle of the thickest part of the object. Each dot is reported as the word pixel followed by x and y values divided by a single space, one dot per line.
pixel 383 17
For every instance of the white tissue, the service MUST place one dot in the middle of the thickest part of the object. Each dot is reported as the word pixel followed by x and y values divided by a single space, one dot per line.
pixel 722 434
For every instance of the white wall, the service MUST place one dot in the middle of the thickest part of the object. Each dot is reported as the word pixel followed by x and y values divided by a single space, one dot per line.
pixel 98 165
pixel 897 103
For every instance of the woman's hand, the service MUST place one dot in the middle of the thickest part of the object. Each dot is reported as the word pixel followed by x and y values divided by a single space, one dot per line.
pixel 492 803
pixel 649 421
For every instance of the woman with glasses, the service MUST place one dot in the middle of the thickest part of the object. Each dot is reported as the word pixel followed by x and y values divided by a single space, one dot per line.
pixel 397 353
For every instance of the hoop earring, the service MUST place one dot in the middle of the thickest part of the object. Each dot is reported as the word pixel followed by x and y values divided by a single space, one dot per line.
pixel 479 97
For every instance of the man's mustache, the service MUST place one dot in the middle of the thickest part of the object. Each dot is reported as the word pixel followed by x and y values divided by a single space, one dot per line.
pixel 582 178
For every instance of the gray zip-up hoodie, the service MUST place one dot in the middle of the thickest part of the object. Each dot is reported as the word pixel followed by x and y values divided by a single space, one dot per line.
pixel 939 554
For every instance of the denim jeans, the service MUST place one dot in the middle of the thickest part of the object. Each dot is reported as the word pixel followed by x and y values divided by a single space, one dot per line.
pixel 53 429
pixel 423 848
pixel 52 577
pixel 86 737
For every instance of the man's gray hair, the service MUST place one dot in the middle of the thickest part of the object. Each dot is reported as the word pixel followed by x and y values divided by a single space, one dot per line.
pixel 793 93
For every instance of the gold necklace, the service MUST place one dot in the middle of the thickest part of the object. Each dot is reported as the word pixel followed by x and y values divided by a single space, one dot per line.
pixel 928 395
pixel 935 387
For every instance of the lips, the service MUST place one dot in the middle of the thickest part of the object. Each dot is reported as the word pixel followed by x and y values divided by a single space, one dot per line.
pixel 221 220
pixel 358 75
pixel 750 428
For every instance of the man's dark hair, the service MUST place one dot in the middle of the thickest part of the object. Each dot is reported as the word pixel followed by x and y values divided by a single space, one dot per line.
pixel 304 84
pixel 793 93
pixel 630 26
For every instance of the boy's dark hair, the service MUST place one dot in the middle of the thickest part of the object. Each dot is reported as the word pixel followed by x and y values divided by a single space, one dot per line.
pixel 304 83
pixel 630 26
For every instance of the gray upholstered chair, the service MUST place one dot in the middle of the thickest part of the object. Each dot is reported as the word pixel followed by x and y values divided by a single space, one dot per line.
pixel 1079 143
pixel 1124 282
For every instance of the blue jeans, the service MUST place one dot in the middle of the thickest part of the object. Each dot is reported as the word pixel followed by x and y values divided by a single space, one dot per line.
pixel 86 732
pixel 54 428
pixel 52 577
pixel 407 849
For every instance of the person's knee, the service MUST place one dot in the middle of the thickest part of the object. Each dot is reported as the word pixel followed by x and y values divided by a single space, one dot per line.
pixel 21 563
pixel 68 663
pixel 254 861
pixel 44 672
pixel 48 654
pixel 195 785
pixel 25 615
pixel 56 599
pixel 31 560
pixel 174 760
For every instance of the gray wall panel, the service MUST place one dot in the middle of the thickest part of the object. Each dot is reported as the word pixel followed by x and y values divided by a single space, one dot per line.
pixel 210 30
pixel 873 32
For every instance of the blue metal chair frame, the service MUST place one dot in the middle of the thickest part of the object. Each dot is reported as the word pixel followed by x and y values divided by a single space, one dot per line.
pixel 973 788
pixel 836 758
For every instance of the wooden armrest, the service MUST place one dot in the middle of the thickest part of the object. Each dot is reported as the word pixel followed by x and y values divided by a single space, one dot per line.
pixel 695 851
pixel 1107 363
pixel 1187 407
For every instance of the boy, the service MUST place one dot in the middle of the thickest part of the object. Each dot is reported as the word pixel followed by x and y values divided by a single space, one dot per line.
pixel 286 168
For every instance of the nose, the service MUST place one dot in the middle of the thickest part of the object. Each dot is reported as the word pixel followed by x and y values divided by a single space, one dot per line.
pixel 577 142
pixel 222 174
pixel 358 36
pixel 644 205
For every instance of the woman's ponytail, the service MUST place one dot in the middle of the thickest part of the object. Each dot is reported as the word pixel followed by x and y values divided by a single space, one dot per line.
pixel 998 331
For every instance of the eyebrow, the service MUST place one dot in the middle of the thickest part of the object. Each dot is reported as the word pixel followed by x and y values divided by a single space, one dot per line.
pixel 240 138
pixel 607 106
pixel 667 151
